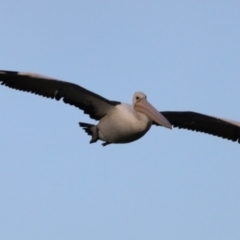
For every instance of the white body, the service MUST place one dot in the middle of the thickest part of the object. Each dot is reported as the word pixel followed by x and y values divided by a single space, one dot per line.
pixel 123 124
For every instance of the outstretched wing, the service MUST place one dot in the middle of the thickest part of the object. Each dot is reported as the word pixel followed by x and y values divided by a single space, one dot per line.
pixel 92 104
pixel 207 124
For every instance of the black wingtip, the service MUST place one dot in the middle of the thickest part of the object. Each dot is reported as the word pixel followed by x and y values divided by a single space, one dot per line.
pixel 9 72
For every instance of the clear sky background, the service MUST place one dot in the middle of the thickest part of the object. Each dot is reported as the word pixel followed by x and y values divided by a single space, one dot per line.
pixel 185 55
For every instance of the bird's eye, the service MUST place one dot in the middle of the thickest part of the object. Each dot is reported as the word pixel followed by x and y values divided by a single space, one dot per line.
pixel 137 97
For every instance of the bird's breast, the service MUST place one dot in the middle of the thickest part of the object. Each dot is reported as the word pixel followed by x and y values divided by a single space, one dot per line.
pixel 123 124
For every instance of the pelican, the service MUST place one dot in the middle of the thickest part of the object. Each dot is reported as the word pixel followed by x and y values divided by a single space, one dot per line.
pixel 118 122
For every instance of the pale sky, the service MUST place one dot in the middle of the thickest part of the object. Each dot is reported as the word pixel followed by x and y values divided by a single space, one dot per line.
pixel 171 184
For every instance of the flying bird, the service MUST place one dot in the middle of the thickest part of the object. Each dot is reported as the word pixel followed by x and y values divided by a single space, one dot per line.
pixel 118 122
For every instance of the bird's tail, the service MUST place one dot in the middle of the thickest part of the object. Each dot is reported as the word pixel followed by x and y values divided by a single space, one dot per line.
pixel 91 130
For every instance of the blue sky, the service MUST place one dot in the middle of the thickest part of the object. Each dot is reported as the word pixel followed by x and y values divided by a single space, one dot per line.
pixel 175 184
